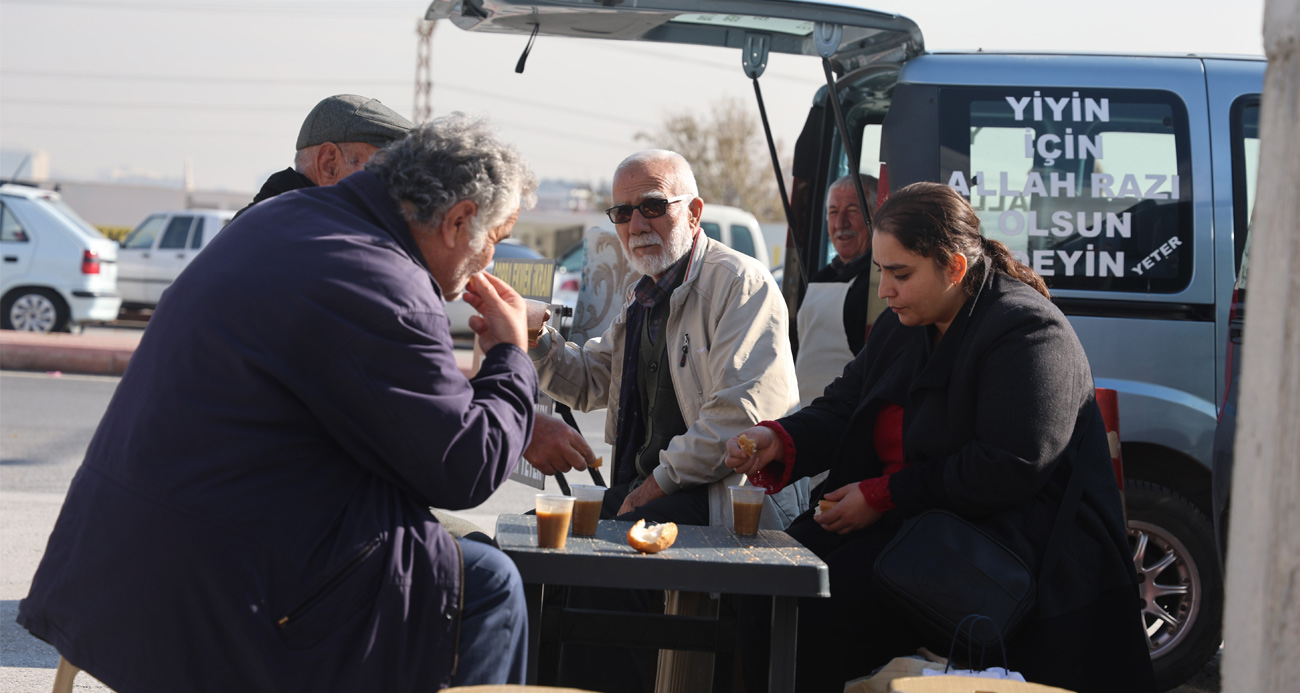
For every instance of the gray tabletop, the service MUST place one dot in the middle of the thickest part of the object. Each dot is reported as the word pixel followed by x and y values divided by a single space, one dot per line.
pixel 703 559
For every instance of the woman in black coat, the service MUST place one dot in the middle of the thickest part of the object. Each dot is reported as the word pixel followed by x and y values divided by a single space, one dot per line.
pixel 972 395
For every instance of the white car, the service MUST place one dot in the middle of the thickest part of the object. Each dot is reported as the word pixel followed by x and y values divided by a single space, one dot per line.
pixel 58 271
pixel 153 255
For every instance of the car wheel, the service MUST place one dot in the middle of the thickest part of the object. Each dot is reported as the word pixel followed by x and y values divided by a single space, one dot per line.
pixel 34 310
pixel 1178 578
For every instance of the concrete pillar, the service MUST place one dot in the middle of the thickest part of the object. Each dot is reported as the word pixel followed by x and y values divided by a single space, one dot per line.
pixel 1262 618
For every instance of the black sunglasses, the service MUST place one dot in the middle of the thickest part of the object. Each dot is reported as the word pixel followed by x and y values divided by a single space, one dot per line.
pixel 650 208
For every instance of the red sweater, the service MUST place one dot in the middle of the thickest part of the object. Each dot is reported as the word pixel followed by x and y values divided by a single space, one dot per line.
pixel 888 441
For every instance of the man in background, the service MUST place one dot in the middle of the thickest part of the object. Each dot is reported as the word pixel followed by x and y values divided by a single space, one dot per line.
pixel 338 137
pixel 842 299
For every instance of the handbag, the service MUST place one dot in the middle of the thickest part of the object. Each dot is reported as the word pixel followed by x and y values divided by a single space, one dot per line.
pixel 941 568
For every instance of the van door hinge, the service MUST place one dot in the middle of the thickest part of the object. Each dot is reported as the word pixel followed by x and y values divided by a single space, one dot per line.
pixel 827 38
pixel 754 57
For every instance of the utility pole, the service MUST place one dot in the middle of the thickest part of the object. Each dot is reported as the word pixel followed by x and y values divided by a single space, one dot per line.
pixel 423 108
pixel 1262 618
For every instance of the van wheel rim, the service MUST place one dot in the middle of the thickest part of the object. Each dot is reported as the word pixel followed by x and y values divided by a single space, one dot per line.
pixel 1169 584
pixel 33 313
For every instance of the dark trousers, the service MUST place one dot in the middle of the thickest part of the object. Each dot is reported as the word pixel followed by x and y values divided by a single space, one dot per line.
pixel 626 669
pixel 494 626
pixel 842 637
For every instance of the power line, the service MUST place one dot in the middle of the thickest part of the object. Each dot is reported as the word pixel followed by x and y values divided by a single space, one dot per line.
pixel 278 81
pixel 167 105
pixel 82 128
pixel 307 81
pixel 260 7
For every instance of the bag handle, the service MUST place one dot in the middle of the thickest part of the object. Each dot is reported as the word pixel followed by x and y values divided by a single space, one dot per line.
pixel 974 620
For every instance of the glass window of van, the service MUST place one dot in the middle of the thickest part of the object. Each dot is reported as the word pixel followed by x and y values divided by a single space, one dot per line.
pixel 1245 169
pixel 143 236
pixel 196 238
pixel 177 233
pixel 1091 188
pixel 712 230
pixel 742 240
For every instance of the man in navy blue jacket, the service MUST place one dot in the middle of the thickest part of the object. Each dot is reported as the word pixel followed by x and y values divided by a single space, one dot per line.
pixel 253 511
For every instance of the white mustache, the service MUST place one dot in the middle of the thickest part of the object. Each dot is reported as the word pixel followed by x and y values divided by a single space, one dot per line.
pixel 644 241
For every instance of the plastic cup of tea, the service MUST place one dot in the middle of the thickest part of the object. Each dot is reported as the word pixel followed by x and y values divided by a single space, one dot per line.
pixel 746 508
pixel 588 499
pixel 538 312
pixel 553 513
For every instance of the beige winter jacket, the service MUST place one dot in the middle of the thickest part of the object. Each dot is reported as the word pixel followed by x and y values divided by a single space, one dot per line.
pixel 729 341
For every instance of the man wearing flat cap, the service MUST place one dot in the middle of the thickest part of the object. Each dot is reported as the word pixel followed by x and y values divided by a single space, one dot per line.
pixel 338 137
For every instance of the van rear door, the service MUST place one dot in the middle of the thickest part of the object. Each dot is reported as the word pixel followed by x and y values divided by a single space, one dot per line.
pixel 865 36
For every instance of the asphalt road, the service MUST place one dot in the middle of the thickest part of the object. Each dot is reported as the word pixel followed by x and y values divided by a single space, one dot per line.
pixel 47 422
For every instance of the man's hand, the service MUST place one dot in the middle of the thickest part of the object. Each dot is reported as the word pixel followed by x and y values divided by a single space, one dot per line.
pixel 557 448
pixel 646 492
pixel 502 317
pixel 850 513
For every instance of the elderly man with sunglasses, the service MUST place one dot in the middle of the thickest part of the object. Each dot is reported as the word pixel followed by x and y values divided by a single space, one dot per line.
pixel 700 352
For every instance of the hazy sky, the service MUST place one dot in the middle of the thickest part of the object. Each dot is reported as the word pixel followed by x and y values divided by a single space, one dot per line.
pixel 141 85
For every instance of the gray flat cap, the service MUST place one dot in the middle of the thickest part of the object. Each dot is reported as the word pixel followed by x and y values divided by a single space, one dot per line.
pixel 352 118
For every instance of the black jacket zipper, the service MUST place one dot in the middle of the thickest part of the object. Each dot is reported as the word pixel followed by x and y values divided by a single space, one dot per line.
pixel 329 584
pixel 460 609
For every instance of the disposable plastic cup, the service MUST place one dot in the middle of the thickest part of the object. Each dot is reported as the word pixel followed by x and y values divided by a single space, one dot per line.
pixel 538 313
pixel 586 508
pixel 553 513
pixel 746 508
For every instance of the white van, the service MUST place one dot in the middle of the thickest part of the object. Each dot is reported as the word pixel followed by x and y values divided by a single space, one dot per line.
pixel 58 271
pixel 153 255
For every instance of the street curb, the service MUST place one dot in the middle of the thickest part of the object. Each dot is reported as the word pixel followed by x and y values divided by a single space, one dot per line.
pixel 96 354
pixel 67 353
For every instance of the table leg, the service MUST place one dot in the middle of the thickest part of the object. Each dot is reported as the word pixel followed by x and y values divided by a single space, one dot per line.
pixel 533 598
pixel 785 624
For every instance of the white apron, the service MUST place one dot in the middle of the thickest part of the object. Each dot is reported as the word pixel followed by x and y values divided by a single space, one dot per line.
pixel 823 345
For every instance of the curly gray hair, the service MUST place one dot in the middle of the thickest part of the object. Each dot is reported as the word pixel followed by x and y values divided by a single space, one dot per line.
pixel 453 158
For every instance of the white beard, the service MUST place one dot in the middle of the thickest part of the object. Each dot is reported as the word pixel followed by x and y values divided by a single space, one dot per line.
pixel 656 264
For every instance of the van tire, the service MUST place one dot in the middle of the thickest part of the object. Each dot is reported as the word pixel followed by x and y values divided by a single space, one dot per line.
pixel 36 310
pixel 1178 575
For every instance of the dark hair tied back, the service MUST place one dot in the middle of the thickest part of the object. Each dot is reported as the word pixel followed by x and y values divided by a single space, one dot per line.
pixel 934 221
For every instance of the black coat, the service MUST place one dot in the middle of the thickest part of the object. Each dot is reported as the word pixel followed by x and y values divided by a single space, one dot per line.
pixel 995 418
pixel 253 511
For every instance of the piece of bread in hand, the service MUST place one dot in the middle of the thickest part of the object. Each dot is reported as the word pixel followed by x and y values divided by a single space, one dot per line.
pixel 824 505
pixel 596 465
pixel 747 445
pixel 652 539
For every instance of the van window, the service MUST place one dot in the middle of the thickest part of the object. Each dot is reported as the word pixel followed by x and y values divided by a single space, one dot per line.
pixel 742 240
pixel 1245 168
pixel 196 238
pixel 143 236
pixel 712 230
pixel 1088 187
pixel 11 230
pixel 177 234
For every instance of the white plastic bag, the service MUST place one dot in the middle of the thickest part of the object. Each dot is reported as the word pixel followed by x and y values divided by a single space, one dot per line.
pixel 990 673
